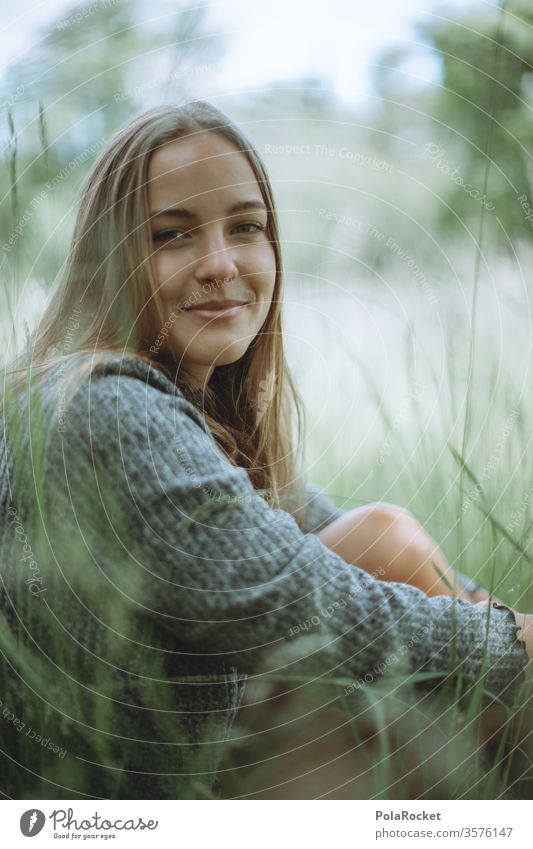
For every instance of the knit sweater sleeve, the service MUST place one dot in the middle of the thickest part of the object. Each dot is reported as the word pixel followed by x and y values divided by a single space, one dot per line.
pixel 201 553
pixel 319 510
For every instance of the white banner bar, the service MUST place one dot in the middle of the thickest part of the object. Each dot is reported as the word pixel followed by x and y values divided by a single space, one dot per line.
pixel 267 824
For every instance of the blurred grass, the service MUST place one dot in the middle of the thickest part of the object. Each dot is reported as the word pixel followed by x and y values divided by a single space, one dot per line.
pixel 301 740
pixel 382 362
pixel 386 424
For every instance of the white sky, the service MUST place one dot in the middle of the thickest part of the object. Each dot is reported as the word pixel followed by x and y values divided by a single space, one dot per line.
pixel 273 40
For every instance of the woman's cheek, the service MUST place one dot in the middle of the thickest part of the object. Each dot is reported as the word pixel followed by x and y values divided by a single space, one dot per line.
pixel 167 275
pixel 165 267
pixel 261 259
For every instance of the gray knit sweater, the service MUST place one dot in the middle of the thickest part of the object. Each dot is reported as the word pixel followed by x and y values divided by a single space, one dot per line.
pixel 167 580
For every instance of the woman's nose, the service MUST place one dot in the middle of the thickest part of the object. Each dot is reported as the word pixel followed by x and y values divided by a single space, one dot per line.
pixel 216 263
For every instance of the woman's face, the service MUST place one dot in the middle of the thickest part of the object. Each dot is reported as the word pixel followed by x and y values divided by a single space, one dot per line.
pixel 212 257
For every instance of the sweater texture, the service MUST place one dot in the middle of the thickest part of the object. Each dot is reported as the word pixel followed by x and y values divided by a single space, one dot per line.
pixel 144 580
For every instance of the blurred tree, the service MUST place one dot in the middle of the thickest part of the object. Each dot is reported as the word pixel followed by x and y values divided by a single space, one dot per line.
pixel 95 67
pixel 98 62
pixel 482 107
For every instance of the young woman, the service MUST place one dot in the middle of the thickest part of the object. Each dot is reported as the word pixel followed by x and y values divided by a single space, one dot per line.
pixel 151 480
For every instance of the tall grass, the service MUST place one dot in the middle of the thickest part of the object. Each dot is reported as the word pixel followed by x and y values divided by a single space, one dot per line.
pixel 436 453
pixel 421 471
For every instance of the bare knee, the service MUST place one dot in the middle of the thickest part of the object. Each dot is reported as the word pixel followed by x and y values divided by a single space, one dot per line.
pixel 387 519
pixel 377 535
pixel 399 540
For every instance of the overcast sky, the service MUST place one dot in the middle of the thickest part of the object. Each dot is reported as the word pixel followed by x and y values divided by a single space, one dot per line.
pixel 276 39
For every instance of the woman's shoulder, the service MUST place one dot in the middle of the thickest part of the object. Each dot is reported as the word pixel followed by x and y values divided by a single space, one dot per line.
pixel 86 368
pixel 115 387
pixel 134 366
pixel 104 373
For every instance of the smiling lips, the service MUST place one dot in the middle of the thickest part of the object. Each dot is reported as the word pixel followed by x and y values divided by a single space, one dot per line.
pixel 217 309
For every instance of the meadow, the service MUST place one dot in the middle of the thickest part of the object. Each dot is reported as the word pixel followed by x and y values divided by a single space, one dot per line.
pixel 410 343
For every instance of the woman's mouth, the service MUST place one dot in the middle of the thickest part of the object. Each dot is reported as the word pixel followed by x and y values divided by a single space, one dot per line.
pixel 220 311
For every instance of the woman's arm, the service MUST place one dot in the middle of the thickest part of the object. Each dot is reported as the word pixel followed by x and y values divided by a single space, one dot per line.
pixel 205 557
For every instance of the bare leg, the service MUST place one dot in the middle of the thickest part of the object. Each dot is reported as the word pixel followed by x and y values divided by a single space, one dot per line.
pixel 385 536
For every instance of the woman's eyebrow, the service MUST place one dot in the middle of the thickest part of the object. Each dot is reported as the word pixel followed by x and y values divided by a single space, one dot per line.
pixel 182 212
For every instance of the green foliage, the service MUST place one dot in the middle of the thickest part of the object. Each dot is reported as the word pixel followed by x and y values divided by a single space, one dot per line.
pixel 89 74
pixel 94 68
pixel 481 109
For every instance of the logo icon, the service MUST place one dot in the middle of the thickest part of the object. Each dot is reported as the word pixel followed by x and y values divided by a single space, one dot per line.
pixel 32 822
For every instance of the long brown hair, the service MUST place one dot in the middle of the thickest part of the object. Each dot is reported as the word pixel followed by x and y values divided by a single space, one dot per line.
pixel 106 302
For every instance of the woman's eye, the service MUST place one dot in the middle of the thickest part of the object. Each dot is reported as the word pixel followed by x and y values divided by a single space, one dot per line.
pixel 258 227
pixel 168 235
